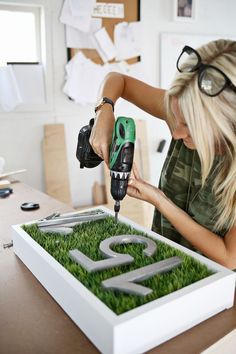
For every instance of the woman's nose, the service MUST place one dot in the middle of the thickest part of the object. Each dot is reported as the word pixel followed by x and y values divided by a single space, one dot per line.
pixel 180 132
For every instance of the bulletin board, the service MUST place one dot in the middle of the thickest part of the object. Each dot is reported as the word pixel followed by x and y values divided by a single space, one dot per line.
pixel 131 14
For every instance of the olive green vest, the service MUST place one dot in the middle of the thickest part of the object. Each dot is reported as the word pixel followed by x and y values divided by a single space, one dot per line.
pixel 181 182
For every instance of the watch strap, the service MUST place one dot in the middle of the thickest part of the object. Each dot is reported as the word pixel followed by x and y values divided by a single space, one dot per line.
pixel 104 101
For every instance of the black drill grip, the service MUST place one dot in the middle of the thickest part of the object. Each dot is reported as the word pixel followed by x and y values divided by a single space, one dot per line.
pixel 84 151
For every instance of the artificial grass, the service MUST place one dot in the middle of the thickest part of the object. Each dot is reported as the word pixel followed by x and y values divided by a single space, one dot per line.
pixel 87 237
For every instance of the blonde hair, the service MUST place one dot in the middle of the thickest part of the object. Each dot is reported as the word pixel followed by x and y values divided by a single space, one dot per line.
pixel 212 125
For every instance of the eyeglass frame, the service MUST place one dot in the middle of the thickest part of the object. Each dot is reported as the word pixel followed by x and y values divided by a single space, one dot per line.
pixel 200 66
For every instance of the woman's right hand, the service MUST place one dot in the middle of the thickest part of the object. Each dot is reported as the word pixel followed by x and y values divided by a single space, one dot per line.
pixel 101 134
pixel 114 86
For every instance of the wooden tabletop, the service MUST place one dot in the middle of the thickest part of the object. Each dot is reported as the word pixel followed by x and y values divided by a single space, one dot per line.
pixel 31 322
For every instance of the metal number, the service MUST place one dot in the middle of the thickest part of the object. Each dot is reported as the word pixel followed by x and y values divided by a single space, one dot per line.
pixel 113 258
pixel 125 282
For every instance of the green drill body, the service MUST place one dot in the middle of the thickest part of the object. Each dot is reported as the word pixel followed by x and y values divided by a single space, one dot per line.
pixel 121 155
pixel 121 158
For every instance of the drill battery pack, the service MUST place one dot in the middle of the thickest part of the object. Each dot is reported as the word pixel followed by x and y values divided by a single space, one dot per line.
pixel 84 151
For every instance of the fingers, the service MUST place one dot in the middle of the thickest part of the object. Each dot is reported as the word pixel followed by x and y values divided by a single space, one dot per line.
pixel 102 150
pixel 134 186
pixel 135 171
pixel 134 183
pixel 101 134
pixel 100 145
pixel 105 156
pixel 133 192
pixel 131 181
pixel 142 190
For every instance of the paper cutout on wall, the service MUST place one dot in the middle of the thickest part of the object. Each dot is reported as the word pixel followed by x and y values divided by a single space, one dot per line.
pixel 109 10
pixel 77 13
pixel 104 45
pixel 9 91
pixel 83 79
pixel 30 80
pixel 78 39
pixel 127 40
pixel 81 7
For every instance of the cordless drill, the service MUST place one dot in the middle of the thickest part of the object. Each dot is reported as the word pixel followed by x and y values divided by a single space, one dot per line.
pixel 121 156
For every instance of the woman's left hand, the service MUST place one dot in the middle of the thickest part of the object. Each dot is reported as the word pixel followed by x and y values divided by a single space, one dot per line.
pixel 140 189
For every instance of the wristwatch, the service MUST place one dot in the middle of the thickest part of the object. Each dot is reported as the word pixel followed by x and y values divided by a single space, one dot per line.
pixel 103 101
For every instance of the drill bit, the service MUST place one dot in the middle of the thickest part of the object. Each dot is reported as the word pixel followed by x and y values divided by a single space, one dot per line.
pixel 116 210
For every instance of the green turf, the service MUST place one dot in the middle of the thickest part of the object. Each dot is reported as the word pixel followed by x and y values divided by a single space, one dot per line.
pixel 87 237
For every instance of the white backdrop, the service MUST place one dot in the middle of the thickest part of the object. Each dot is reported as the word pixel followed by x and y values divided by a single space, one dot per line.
pixel 171 47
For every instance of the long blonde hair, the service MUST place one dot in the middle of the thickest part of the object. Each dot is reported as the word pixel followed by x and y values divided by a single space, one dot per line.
pixel 212 125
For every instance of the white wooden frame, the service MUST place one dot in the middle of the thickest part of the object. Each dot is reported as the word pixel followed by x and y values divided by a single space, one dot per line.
pixel 137 330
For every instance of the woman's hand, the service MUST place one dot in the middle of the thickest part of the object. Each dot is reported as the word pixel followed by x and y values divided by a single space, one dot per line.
pixel 139 189
pixel 114 86
pixel 101 134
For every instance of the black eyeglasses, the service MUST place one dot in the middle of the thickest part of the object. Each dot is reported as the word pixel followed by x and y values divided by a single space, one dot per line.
pixel 211 80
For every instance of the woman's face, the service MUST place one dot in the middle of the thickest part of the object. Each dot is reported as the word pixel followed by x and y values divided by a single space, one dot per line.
pixel 181 130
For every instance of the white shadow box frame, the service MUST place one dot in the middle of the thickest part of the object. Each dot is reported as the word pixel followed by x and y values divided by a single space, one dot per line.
pixel 139 329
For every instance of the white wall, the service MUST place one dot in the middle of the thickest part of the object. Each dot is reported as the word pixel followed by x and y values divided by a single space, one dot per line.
pixel 213 17
pixel 21 132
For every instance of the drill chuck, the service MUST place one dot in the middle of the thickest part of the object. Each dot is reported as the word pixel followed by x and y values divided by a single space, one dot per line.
pixel 117 206
pixel 119 184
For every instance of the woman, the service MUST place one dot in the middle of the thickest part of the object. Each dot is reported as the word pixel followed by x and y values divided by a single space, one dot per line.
pixel 195 204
